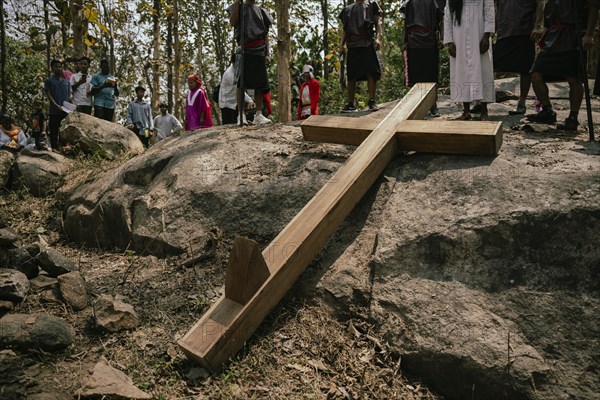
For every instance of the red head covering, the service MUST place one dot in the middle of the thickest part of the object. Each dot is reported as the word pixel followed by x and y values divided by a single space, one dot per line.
pixel 194 78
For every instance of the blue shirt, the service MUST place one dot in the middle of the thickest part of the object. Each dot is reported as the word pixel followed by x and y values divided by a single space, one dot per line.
pixel 60 90
pixel 105 97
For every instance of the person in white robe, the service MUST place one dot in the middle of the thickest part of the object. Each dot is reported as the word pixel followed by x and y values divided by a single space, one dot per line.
pixel 468 29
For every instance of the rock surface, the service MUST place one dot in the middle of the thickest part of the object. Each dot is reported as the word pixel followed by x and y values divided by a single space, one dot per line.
pixel 54 262
pixel 73 290
pixel 114 314
pixel 14 285
pixel 6 162
pixel 452 255
pixel 96 136
pixel 39 172
pixel 21 260
pixel 8 237
pixel 168 199
pixel 108 381
pixel 35 331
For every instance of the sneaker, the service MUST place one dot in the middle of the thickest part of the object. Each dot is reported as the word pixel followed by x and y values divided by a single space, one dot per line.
pixel 434 111
pixel 372 105
pixel 570 124
pixel 350 108
pixel 520 110
pixel 543 117
pixel 260 119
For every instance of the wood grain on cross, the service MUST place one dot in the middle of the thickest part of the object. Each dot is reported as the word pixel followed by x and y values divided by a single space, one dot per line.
pixel 256 281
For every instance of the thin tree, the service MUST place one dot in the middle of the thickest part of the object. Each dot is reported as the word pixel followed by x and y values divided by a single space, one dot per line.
pixel 177 60
pixel 170 61
pixel 3 58
pixel 78 27
pixel 283 60
pixel 156 62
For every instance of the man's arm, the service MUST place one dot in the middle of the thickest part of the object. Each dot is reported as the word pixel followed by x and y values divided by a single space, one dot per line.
pixel 49 95
pixel 378 32
pixel 177 125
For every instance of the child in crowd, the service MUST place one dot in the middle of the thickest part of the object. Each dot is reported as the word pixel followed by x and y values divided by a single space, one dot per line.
pixel 38 126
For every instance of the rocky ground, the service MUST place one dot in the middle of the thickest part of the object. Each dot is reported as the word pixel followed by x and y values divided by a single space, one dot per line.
pixel 455 277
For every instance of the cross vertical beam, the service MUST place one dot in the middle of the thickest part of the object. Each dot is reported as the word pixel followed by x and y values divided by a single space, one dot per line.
pixel 226 326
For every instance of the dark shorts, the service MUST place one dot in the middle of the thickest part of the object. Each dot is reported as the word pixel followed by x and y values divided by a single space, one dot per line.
pixel 85 109
pixel 255 72
pixel 422 65
pixel 362 62
pixel 556 66
pixel 514 54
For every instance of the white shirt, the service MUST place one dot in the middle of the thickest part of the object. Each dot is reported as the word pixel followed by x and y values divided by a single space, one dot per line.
pixel 80 95
pixel 165 125
pixel 228 90
pixel 305 109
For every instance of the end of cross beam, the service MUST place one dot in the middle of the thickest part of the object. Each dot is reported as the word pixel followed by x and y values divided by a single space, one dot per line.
pixel 212 340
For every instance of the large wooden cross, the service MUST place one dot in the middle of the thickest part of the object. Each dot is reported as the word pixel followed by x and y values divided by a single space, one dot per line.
pixel 256 281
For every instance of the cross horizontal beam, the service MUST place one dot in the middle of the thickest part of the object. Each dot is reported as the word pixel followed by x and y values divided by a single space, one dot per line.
pixel 434 136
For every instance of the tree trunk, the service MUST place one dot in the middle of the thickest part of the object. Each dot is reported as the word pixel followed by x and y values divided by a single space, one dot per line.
pixel 325 11
pixel 111 39
pixel 200 56
pixel 170 62
pixel 176 61
pixel 3 59
pixel 155 100
pixel 283 61
pixel 47 33
pixel 78 26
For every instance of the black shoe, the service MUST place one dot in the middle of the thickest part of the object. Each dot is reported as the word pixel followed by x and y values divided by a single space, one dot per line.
pixel 476 109
pixel 350 108
pixel 372 105
pixel 570 124
pixel 520 110
pixel 543 117
pixel 434 111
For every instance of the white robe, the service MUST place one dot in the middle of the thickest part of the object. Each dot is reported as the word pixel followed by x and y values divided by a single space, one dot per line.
pixel 471 73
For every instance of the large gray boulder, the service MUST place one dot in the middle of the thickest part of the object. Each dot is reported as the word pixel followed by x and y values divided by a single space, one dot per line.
pixel 39 172
pixel 35 331
pixel 247 182
pixel 481 273
pixel 6 161
pixel 96 136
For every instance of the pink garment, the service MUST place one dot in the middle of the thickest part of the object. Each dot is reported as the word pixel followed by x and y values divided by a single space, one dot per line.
pixel 196 104
pixel 67 74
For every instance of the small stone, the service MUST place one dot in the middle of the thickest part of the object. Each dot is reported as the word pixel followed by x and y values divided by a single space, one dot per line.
pixel 14 285
pixel 108 381
pixel 73 290
pixel 113 314
pixel 55 263
pixel 8 237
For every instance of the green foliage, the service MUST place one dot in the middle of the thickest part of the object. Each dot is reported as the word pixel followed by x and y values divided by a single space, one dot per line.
pixel 25 77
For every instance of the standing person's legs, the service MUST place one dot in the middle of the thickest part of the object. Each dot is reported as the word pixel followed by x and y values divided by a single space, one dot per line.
pixel 228 116
pixel 84 109
pixel 575 100
pixel 53 128
pixel 525 85
pixel 351 90
pixel 547 115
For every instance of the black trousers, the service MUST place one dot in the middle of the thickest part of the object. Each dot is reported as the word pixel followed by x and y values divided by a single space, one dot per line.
pixel 85 109
pixel 104 113
pixel 54 127
pixel 229 116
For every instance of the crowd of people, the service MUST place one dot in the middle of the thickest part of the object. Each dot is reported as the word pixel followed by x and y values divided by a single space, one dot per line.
pixel 540 40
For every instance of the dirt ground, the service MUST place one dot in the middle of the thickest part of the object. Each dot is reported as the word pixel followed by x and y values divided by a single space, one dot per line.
pixel 301 351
